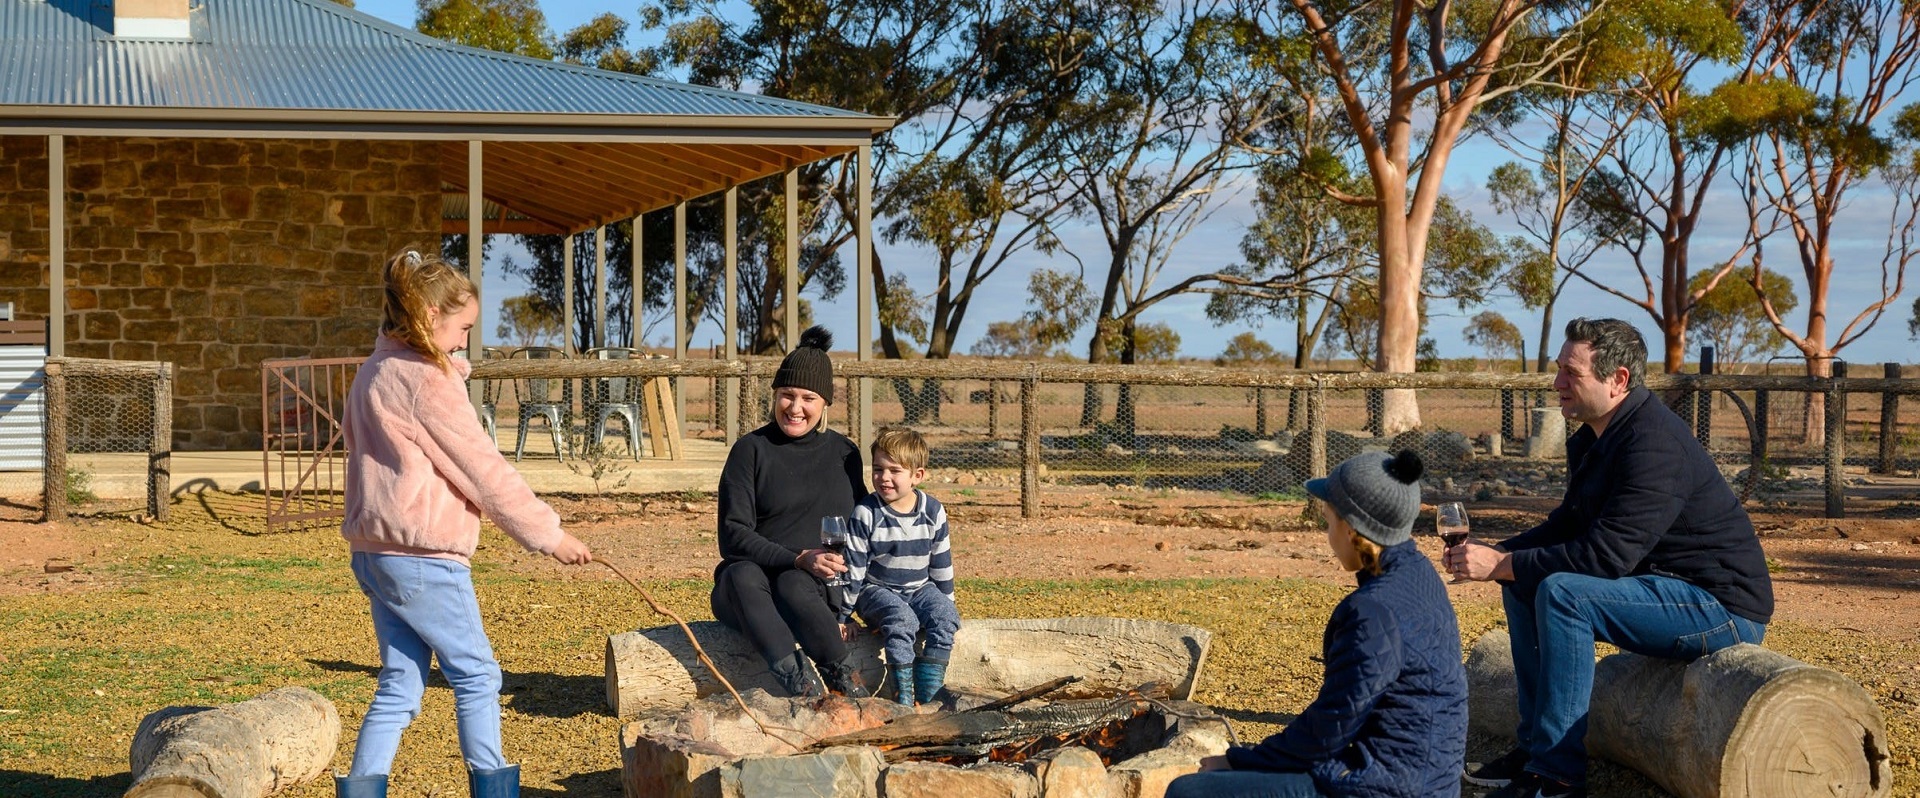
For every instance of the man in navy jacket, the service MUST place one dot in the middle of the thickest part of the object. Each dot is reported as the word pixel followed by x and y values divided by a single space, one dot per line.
pixel 1649 550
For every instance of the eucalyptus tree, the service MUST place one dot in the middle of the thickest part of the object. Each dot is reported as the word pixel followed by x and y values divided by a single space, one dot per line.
pixel 1408 76
pixel 1842 66
pixel 1168 101
pixel 1731 318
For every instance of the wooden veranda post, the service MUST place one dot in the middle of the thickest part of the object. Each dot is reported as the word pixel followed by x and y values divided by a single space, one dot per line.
pixel 54 473
pixel 160 451
pixel 1836 442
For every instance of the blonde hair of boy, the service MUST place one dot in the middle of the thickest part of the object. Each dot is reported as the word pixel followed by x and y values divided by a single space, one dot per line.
pixel 1368 553
pixel 415 283
pixel 903 446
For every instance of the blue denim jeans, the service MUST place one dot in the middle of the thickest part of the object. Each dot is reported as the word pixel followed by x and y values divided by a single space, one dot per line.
pixel 1243 784
pixel 1553 650
pixel 424 607
pixel 902 618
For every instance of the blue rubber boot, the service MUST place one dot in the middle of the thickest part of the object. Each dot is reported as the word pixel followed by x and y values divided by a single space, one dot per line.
pixel 902 678
pixel 929 678
pixel 360 786
pixel 499 783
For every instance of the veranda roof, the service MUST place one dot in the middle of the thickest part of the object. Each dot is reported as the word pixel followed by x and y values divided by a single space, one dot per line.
pixel 567 148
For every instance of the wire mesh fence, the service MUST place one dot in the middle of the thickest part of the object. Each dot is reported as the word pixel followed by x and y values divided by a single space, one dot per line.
pixel 104 420
pixel 1043 434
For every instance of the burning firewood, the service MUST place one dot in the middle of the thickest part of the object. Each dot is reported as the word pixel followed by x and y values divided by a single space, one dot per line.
pixel 996 732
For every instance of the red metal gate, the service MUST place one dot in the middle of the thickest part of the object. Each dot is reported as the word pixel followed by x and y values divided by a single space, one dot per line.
pixel 302 452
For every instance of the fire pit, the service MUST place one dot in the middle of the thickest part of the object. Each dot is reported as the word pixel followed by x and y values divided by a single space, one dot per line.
pixel 1123 747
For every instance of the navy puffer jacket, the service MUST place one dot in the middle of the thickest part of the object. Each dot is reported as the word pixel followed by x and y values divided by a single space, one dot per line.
pixel 1391 717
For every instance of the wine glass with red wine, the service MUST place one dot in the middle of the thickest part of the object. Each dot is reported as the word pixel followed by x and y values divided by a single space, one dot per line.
pixel 833 538
pixel 1450 520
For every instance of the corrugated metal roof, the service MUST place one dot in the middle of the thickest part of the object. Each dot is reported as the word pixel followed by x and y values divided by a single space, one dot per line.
pixel 319 55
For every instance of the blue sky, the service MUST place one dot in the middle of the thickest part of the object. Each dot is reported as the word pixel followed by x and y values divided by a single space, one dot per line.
pixel 1216 243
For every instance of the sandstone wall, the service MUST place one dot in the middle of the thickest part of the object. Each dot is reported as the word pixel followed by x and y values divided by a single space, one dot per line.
pixel 216 254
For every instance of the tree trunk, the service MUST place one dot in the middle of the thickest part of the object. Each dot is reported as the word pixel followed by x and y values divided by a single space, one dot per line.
pixel 245 750
pixel 1399 341
pixel 656 668
pixel 1744 721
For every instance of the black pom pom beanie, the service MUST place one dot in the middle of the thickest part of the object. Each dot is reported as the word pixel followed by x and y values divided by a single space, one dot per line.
pixel 1377 494
pixel 807 366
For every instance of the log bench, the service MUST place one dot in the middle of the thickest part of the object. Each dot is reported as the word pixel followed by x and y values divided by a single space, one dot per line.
pixel 655 668
pixel 246 750
pixel 1743 722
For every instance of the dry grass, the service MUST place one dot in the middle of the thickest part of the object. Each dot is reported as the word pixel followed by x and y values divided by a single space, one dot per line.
pixel 201 612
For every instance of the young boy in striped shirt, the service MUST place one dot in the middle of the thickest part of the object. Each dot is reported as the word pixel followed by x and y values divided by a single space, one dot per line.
pixel 900 568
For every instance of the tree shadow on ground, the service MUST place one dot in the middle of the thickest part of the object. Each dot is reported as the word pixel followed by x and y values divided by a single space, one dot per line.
pixel 550 695
pixel 241 513
pixel 1871 570
pixel 342 666
pixel 597 783
pixel 42 785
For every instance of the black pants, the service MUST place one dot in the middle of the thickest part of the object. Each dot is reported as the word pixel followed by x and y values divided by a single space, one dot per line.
pixel 772 607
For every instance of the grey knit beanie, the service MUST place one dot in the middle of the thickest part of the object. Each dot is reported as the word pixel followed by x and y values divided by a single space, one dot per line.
pixel 1377 494
pixel 807 366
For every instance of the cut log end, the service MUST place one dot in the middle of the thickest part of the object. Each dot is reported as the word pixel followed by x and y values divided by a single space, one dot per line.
pixel 1809 731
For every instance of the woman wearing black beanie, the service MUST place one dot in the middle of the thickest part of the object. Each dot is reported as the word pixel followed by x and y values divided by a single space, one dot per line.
pixel 779 481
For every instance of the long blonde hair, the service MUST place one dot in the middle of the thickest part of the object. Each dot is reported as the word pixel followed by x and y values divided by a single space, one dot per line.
pixel 416 283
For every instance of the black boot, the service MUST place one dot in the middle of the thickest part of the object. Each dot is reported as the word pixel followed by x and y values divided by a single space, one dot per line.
pixel 843 677
pixel 795 678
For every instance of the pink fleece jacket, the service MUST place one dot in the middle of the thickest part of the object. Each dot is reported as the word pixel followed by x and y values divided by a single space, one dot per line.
pixel 420 468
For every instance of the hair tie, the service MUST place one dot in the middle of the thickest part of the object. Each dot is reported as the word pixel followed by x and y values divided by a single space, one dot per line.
pixel 413 258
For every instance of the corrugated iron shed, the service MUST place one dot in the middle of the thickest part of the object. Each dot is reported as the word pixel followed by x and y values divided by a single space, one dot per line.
pixel 567 147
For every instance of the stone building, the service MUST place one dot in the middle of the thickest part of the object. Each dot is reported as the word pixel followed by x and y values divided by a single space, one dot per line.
pixel 233 173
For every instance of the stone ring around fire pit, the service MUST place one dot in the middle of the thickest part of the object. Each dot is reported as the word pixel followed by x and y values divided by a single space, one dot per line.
pixel 692 739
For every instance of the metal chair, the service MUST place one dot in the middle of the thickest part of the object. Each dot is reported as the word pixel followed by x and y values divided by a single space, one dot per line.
pixel 542 397
pixel 611 396
pixel 490 393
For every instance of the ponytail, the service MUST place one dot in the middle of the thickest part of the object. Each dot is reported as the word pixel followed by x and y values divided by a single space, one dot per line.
pixel 415 285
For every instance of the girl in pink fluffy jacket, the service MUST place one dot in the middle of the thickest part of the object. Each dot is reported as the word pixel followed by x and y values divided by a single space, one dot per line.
pixel 420 473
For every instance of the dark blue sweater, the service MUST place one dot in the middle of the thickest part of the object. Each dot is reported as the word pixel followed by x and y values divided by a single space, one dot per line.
pixel 1646 498
pixel 774 490
pixel 1391 717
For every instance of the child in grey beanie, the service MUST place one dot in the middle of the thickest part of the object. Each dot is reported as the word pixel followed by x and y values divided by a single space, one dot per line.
pixel 1391 716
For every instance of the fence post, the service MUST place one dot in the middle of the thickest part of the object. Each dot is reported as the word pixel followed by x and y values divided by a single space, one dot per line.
pixel 1030 444
pixel 1317 430
pixel 1703 404
pixel 1836 442
pixel 1506 415
pixel 1889 423
pixel 54 475
pixel 993 409
pixel 160 451
pixel 1260 412
pixel 1762 406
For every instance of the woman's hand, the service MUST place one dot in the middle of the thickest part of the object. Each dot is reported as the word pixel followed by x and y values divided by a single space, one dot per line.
pixel 849 631
pixel 1214 763
pixel 1479 562
pixel 820 563
pixel 571 551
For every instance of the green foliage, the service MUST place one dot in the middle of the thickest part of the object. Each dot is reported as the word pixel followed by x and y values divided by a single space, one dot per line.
pixel 506 26
pixel 528 320
pixel 1496 336
pixel 1058 304
pixel 599 43
pixel 1247 349
pixel 80 486
pixel 1913 322
pixel 600 461
pixel 1730 317
pixel 1734 111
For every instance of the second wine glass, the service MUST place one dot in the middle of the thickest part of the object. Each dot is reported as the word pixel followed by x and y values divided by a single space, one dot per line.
pixel 1450 520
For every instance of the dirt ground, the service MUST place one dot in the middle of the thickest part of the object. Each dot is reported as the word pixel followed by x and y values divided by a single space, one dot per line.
pixel 1858 576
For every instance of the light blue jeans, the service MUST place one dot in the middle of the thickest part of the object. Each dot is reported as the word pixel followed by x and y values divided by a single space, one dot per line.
pixel 1243 784
pixel 901 619
pixel 1553 650
pixel 424 607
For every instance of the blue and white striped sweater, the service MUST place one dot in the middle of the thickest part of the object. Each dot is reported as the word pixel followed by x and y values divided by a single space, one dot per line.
pixel 897 551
